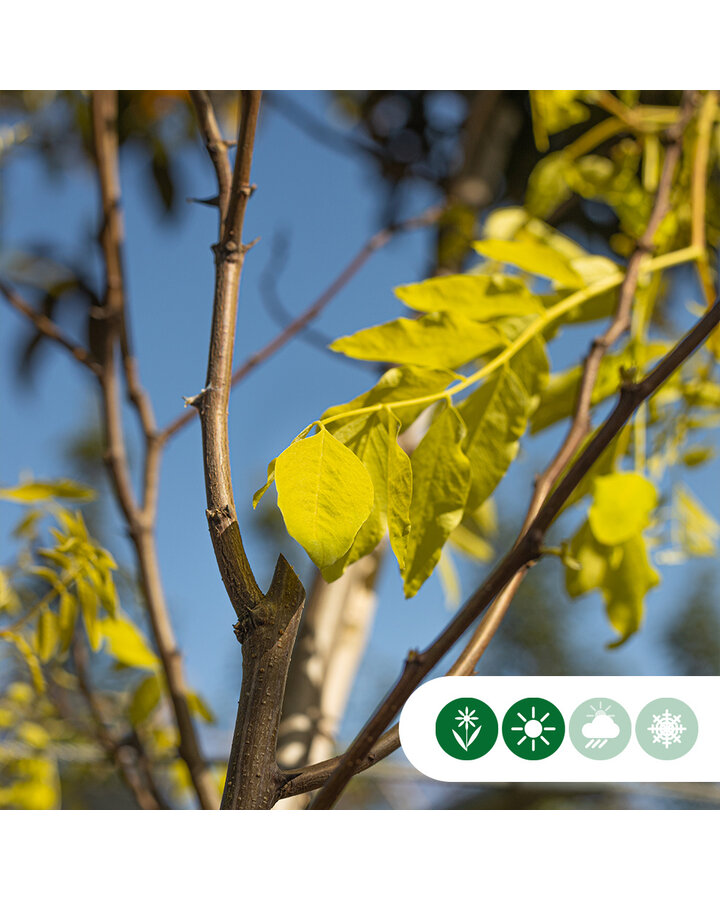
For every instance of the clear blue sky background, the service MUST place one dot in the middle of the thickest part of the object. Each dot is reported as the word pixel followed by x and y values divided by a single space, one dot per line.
pixel 328 204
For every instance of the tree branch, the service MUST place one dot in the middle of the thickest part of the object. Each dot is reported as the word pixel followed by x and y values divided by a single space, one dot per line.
pixel 45 326
pixel 140 518
pixel 212 402
pixel 526 551
pixel 216 147
pixel 267 624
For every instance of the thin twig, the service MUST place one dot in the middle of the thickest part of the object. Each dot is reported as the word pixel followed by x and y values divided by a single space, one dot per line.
pixel 213 401
pixel 217 148
pixel 45 326
pixel 375 243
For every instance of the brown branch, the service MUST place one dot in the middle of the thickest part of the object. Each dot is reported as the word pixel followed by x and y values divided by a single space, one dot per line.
pixel 526 551
pixel 216 147
pixel 212 402
pixel 140 518
pixel 375 243
pixel 45 326
pixel 267 624
pixel 130 759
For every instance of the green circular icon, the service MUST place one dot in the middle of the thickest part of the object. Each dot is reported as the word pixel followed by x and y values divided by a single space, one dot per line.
pixel 466 728
pixel 666 728
pixel 533 728
pixel 600 728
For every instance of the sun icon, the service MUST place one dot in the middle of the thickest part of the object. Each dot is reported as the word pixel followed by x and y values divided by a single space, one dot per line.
pixel 533 728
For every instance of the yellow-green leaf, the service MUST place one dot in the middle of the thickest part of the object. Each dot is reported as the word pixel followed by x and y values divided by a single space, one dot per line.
pixel 622 505
pixel 198 707
pixel 441 482
pixel 375 444
pixel 440 340
pixel 30 658
pixel 325 494
pixel 47 636
pixel 67 616
pixel 535 258
pixel 495 416
pixel 42 491
pixel 591 560
pixel 259 493
pixel 479 297
pixel 625 586
pixel 125 641
pixel 90 606
pixel 145 698
pixel 398 383
pixel 698 532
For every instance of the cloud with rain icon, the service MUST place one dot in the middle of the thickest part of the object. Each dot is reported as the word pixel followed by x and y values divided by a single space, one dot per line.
pixel 601 729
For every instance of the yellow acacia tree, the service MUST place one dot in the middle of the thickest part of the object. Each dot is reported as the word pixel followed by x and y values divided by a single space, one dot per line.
pixel 467 369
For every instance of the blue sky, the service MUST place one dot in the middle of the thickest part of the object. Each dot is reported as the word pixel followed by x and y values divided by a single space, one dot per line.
pixel 327 204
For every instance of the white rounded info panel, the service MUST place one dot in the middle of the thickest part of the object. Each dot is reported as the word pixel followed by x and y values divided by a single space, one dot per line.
pixel 518 728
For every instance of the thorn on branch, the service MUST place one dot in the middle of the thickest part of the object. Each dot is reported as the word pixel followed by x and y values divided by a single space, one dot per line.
pixel 197 400
pixel 246 247
pixel 204 201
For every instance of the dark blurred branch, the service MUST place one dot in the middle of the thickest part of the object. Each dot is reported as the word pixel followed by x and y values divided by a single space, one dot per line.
pixel 129 757
pixel 140 517
pixel 46 327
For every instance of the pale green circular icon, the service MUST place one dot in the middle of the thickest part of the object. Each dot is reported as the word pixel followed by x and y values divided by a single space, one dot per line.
pixel 600 728
pixel 666 728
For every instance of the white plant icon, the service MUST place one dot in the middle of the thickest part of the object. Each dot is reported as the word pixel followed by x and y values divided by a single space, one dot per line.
pixel 468 719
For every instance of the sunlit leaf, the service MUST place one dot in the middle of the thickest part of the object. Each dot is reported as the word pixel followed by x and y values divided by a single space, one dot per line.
pixel 439 340
pixel 535 258
pixel 397 384
pixel 622 505
pixel 441 482
pixel 145 698
pixel 698 532
pixel 495 416
pixel 625 586
pixel 478 297
pixel 325 494
pixel 42 491
pixel 375 444
pixel 126 643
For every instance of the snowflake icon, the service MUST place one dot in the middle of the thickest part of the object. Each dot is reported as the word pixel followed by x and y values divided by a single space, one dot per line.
pixel 667 729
